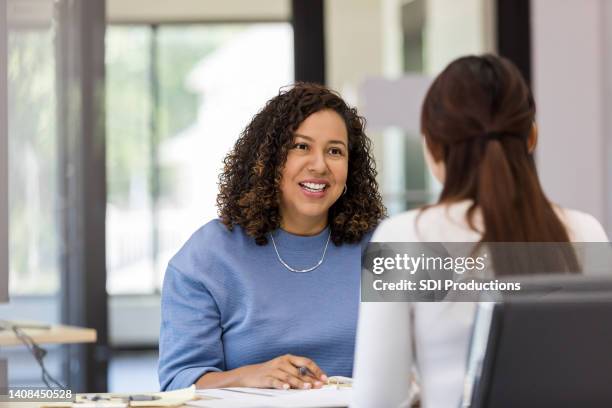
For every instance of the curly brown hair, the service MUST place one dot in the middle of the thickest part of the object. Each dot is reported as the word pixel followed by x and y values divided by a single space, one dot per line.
pixel 249 184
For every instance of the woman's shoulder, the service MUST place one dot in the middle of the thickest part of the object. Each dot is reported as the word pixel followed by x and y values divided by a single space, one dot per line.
pixel 215 230
pixel 209 241
pixel 397 228
pixel 447 223
pixel 435 223
pixel 212 235
pixel 581 226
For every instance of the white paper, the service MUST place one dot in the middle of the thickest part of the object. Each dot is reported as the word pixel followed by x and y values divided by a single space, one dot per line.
pixel 265 398
pixel 326 397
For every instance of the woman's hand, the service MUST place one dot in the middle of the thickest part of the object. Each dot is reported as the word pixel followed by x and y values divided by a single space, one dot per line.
pixel 281 373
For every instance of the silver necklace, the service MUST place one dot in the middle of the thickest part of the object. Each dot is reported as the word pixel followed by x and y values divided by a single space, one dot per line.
pixel 301 270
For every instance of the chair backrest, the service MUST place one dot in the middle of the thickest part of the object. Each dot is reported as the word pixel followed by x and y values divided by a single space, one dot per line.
pixel 550 346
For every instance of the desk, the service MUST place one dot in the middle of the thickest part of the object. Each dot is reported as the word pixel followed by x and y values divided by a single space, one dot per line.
pixel 39 405
pixel 54 334
pixel 175 398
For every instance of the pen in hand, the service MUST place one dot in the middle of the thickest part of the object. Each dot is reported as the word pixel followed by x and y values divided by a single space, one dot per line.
pixel 304 371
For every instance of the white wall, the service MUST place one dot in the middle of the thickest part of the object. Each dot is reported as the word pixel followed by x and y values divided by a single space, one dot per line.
pixel 568 79
pixel 134 320
pixel 607 45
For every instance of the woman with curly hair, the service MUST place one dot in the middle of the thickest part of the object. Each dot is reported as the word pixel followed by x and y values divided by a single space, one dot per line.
pixel 267 295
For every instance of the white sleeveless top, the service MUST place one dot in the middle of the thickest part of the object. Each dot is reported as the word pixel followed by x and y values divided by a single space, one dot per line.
pixel 439 337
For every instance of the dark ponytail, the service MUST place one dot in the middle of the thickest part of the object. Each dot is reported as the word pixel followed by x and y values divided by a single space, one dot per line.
pixel 496 194
pixel 477 118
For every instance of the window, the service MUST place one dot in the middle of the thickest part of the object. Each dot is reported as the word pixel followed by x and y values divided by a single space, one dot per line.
pixel 34 218
pixel 4 217
pixel 33 159
pixel 178 96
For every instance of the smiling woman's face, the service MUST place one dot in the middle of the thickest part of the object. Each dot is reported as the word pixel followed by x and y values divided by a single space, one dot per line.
pixel 314 175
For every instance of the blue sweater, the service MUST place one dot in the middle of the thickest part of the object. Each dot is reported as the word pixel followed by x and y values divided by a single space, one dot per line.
pixel 227 302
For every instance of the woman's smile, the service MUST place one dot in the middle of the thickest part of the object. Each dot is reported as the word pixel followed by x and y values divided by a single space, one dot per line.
pixel 314 188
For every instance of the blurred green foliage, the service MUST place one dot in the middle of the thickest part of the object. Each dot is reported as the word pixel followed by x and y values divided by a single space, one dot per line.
pixel 131 127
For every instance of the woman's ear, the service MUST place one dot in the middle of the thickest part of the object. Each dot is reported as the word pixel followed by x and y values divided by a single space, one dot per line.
pixel 532 140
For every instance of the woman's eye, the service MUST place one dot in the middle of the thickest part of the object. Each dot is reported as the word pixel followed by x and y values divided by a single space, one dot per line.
pixel 335 151
pixel 300 146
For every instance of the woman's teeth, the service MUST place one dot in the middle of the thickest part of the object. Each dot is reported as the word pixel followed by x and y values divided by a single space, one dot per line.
pixel 314 187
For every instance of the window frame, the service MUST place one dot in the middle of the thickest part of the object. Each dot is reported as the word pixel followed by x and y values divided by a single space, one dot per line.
pixel 4 180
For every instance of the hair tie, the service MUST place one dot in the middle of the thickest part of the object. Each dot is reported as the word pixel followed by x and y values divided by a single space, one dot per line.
pixel 494 136
pixel 490 136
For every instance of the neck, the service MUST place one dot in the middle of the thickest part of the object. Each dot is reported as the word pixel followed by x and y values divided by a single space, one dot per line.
pixel 304 227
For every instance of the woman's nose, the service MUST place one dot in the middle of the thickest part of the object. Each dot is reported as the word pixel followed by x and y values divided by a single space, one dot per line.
pixel 317 163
